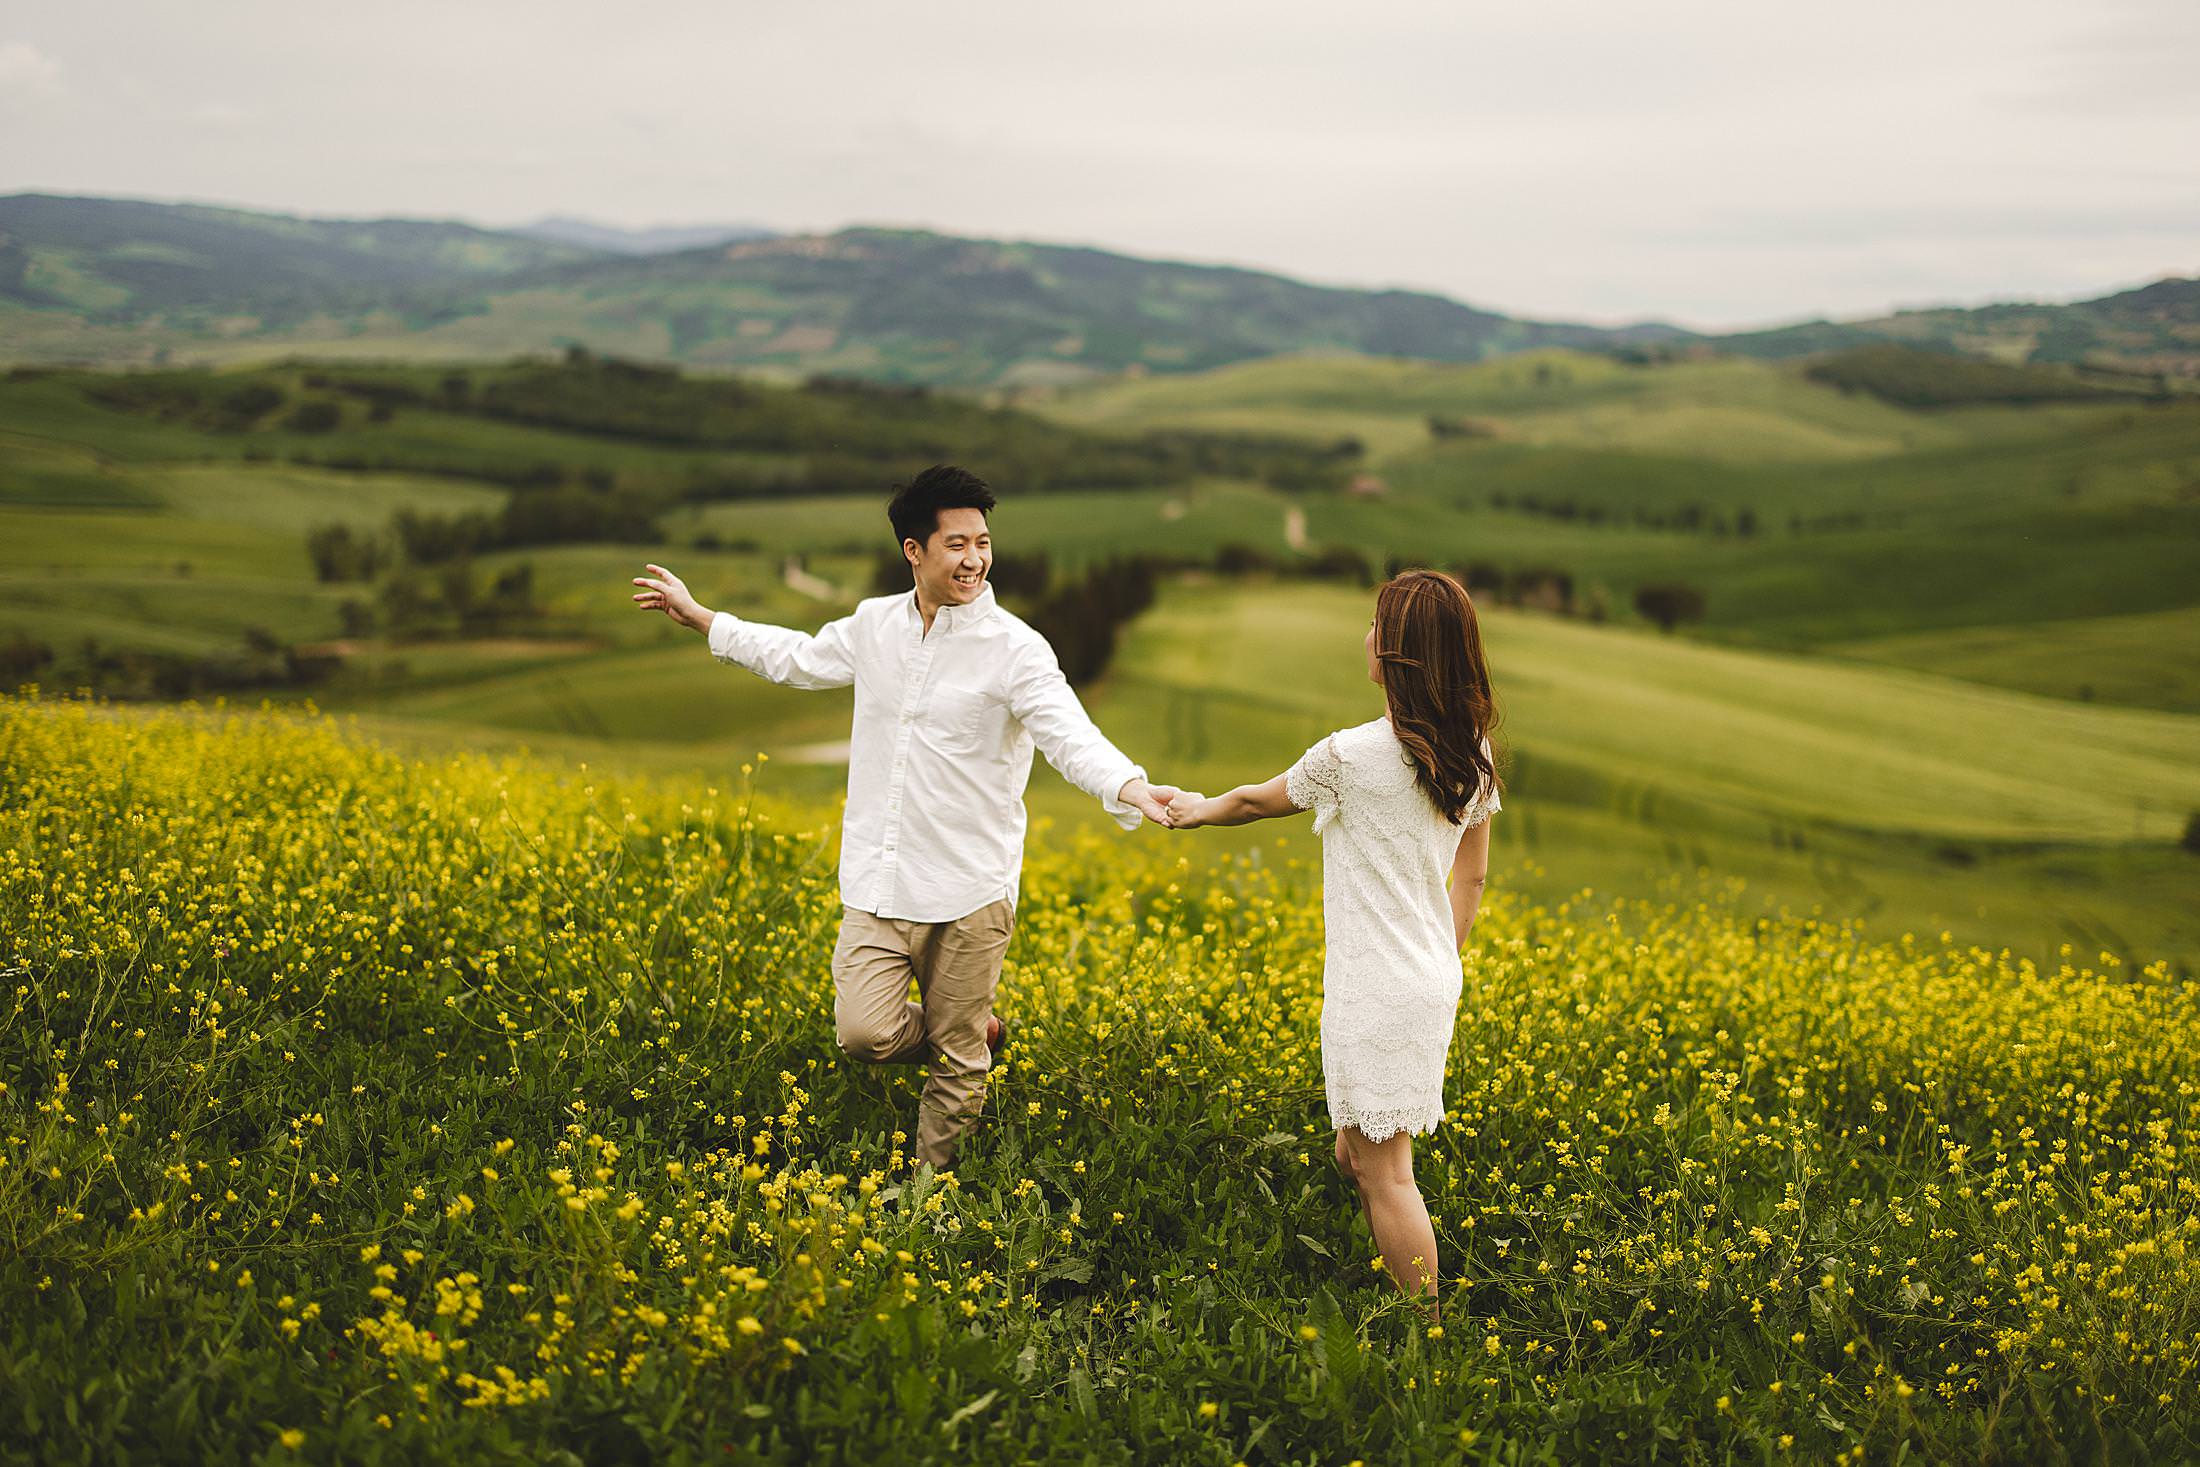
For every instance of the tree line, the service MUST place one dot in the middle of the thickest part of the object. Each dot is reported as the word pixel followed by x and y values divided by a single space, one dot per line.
pixel 258 662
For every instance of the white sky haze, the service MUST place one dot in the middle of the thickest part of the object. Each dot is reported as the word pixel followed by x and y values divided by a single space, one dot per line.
pixel 1711 162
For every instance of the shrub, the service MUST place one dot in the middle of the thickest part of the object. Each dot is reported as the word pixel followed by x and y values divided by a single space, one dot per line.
pixel 314 415
pixel 1669 605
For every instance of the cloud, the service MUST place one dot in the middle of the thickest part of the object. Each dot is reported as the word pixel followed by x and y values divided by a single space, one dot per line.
pixel 2132 58
pixel 27 73
pixel 2176 220
pixel 1717 161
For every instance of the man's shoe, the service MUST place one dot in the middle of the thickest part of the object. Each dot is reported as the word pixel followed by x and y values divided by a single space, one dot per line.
pixel 996 1033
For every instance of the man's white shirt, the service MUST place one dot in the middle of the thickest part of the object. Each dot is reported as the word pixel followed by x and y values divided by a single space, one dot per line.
pixel 940 751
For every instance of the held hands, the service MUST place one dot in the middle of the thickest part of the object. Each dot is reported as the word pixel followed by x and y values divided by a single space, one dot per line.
pixel 1150 800
pixel 1164 804
pixel 663 591
pixel 1187 811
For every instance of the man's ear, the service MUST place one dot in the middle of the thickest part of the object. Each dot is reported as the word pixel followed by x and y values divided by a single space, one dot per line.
pixel 912 552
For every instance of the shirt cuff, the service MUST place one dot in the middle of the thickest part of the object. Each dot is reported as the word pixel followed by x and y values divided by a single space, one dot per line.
pixel 724 628
pixel 1126 815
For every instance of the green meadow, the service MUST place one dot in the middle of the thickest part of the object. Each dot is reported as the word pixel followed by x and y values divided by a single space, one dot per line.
pixel 1945 676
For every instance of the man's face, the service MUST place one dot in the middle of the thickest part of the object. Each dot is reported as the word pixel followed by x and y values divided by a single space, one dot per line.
pixel 951 567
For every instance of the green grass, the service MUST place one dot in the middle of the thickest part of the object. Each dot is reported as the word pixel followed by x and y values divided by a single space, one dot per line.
pixel 1908 802
pixel 1870 520
pixel 674 695
pixel 1915 802
pixel 1069 528
pixel 36 473
pixel 289 500
pixel 389 1111
pixel 109 574
pixel 1722 411
pixel 2045 550
pixel 1812 740
pixel 2146 660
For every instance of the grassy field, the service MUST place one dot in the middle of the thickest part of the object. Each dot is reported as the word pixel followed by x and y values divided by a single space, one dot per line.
pixel 2146 660
pixel 383 1111
pixel 1837 745
pixel 1722 411
pixel 2041 551
pixel 1907 802
pixel 1867 521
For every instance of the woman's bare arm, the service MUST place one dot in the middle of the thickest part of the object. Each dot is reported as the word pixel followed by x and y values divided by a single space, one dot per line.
pixel 1470 870
pixel 1241 806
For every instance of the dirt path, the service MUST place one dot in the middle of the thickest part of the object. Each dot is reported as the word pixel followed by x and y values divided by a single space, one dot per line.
pixel 802 582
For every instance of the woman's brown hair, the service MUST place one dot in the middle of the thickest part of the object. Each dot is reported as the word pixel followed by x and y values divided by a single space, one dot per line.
pixel 1428 648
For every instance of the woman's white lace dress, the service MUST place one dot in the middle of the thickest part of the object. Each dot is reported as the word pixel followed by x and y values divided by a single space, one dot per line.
pixel 1391 976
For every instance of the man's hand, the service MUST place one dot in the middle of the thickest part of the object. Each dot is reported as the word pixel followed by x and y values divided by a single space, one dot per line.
pixel 663 591
pixel 1150 800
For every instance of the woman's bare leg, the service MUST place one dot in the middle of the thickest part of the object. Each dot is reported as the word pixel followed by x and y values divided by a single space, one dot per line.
pixel 1351 1169
pixel 1395 1211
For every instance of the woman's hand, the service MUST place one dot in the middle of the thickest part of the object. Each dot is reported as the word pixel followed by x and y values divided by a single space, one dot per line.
pixel 1241 806
pixel 1187 811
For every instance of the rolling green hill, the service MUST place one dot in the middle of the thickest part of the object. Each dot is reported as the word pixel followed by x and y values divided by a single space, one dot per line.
pixel 112 281
pixel 2152 329
pixel 189 266
pixel 1908 801
pixel 1957 596
pixel 1904 801
pixel 909 304
pixel 1807 516
pixel 120 281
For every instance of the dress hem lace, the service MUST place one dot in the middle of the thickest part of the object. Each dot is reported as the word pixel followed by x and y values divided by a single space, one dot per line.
pixel 1379 1126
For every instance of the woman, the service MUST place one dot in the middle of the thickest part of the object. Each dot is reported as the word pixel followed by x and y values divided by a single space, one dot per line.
pixel 1396 801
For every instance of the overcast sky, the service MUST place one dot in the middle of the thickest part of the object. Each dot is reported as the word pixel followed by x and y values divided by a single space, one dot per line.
pixel 1712 162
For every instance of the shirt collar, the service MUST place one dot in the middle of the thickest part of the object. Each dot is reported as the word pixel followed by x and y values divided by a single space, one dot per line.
pixel 949 617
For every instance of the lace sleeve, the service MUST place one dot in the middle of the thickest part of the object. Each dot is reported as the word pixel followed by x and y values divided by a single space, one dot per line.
pixel 1486 803
pixel 1316 782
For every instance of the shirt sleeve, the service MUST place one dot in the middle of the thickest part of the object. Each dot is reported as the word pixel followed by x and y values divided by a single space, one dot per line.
pixel 1316 782
pixel 1042 700
pixel 783 655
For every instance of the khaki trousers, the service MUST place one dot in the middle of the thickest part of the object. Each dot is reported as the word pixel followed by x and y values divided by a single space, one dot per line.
pixel 957 967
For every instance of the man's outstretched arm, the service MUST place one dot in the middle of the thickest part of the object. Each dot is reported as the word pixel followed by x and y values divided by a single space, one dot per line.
pixel 1043 701
pixel 794 658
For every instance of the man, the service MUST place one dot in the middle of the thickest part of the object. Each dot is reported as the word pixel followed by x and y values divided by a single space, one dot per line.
pixel 952 692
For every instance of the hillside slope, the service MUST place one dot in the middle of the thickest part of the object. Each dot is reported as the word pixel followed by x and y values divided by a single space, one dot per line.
pixel 95 280
pixel 2152 329
pixel 186 264
pixel 123 281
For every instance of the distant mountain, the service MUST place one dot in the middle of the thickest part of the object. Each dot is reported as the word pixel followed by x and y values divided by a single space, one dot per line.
pixel 112 281
pixel 2155 328
pixel 613 239
pixel 115 260
pixel 117 281
pixel 916 306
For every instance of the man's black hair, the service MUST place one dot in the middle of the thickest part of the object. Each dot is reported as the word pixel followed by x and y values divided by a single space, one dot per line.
pixel 916 505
